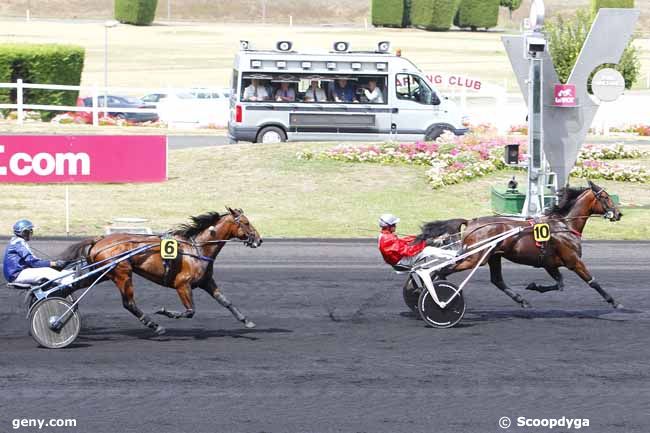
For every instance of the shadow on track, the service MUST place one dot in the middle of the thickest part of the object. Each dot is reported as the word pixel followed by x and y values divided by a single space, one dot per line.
pixel 496 315
pixel 110 334
pixel 598 314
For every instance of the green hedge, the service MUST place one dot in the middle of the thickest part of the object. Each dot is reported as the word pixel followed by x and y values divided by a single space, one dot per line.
pixel 477 14
pixel 597 4
pixel 433 14
pixel 41 64
pixel 389 13
pixel 138 12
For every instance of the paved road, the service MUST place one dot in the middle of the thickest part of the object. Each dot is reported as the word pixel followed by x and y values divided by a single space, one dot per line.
pixel 336 351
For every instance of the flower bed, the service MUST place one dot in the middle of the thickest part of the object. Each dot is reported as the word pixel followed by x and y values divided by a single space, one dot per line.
pixel 593 169
pixel 457 159
pixel 609 151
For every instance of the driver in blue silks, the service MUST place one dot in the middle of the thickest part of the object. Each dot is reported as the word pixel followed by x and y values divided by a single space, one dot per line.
pixel 20 265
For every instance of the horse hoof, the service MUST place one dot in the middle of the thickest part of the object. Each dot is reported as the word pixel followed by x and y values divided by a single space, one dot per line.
pixel 160 330
pixel 617 306
pixel 249 324
pixel 532 287
pixel 161 311
pixel 526 304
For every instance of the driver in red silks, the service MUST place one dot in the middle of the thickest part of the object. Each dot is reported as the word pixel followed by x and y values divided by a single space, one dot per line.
pixel 401 251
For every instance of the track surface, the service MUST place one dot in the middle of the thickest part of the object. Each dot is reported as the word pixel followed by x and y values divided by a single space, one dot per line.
pixel 336 351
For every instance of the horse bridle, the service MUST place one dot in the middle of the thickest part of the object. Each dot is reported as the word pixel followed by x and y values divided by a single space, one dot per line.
pixel 610 212
pixel 250 237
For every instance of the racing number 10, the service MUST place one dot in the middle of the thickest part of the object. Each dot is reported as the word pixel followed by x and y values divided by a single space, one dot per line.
pixel 168 249
pixel 541 232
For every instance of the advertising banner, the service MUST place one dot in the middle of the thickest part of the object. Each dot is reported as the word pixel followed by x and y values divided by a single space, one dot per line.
pixel 82 158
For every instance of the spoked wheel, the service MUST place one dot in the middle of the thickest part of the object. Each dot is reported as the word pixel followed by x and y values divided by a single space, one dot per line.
pixel 439 317
pixel 411 294
pixel 44 317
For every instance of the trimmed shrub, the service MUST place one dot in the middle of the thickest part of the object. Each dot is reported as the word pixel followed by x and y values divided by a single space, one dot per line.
pixel 137 12
pixel 42 64
pixel 433 14
pixel 389 13
pixel 597 4
pixel 477 14
pixel 566 37
pixel 512 5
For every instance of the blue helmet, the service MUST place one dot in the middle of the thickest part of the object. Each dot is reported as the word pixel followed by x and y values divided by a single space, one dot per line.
pixel 21 226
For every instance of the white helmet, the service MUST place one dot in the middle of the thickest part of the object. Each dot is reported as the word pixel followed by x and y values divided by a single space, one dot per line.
pixel 387 220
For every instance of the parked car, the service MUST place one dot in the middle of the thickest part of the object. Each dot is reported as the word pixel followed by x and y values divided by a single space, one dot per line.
pixel 125 102
pixel 196 107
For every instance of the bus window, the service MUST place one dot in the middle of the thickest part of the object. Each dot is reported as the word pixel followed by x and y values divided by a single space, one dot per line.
pixel 414 88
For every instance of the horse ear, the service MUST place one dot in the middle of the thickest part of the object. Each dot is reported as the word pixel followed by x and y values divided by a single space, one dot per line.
pixel 232 212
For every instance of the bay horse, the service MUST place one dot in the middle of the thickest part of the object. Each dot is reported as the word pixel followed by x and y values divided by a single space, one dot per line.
pixel 199 243
pixel 566 220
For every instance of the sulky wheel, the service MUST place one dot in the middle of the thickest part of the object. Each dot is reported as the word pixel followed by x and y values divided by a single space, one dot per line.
pixel 439 317
pixel 42 320
pixel 411 294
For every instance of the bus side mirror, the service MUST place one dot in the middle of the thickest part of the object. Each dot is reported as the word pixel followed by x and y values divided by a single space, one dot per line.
pixel 435 100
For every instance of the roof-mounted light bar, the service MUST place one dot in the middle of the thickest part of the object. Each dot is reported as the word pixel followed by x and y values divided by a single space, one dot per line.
pixel 341 46
pixel 383 47
pixel 284 46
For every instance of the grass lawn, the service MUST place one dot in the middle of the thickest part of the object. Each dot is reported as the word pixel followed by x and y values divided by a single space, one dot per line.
pixel 200 54
pixel 286 197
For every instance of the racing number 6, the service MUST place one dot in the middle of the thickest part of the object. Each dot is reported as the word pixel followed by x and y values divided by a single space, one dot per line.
pixel 541 232
pixel 168 249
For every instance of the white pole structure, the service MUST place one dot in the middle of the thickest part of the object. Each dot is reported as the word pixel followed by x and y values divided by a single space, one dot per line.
pixel 95 107
pixel 290 21
pixel 107 25
pixel 169 10
pixel 67 210
pixel 19 101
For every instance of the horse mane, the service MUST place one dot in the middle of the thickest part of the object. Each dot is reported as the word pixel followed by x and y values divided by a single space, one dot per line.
pixel 436 229
pixel 568 198
pixel 199 223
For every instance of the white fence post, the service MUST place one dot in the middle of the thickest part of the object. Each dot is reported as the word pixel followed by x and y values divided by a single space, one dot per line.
pixel 19 100
pixel 95 107
pixel 290 21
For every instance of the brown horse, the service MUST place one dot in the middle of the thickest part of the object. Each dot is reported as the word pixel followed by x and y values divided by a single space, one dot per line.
pixel 199 243
pixel 566 220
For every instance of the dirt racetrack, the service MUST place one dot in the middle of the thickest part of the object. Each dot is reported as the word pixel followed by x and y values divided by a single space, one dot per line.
pixel 336 351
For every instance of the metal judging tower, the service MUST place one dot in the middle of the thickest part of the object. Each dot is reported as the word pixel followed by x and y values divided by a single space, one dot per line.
pixel 559 115
pixel 535 46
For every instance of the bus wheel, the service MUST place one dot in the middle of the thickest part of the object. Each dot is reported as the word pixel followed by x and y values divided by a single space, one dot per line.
pixel 271 134
pixel 435 132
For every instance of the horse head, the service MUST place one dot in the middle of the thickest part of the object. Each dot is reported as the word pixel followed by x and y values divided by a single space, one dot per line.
pixel 603 203
pixel 241 228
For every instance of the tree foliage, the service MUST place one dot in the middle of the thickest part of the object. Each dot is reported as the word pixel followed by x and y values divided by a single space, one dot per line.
pixel 566 37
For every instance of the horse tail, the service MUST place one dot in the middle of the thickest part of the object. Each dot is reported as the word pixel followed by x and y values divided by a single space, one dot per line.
pixel 80 250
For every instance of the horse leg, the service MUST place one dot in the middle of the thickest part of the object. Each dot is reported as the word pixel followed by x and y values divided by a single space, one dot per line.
pixel 581 269
pixel 123 281
pixel 557 276
pixel 185 295
pixel 496 276
pixel 215 292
